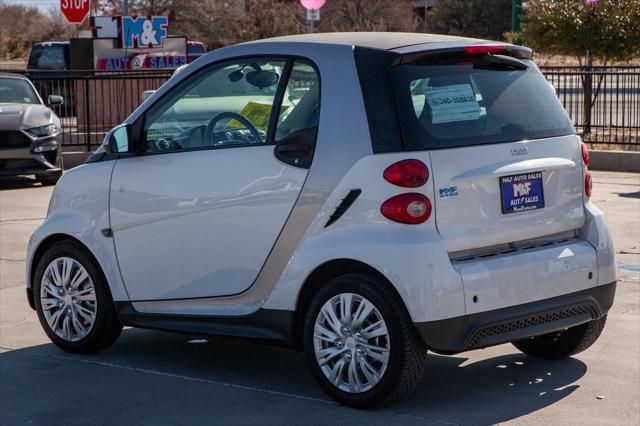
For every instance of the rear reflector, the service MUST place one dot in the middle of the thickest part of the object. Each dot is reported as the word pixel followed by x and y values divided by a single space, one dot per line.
pixel 588 184
pixel 481 49
pixel 585 153
pixel 407 173
pixel 499 49
pixel 411 208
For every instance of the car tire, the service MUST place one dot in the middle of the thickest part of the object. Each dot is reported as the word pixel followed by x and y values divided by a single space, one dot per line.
pixel 563 343
pixel 49 179
pixel 405 350
pixel 92 323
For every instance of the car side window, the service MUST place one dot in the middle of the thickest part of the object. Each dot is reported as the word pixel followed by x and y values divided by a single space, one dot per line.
pixel 300 109
pixel 228 104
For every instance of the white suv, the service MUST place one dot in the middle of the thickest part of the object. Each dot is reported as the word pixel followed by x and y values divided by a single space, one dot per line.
pixel 363 197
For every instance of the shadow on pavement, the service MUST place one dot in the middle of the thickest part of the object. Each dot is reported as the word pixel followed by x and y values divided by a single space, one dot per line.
pixel 629 194
pixel 154 377
pixel 18 182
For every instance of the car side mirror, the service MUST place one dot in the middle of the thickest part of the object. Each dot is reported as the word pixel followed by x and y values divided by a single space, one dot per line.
pixel 55 100
pixel 118 140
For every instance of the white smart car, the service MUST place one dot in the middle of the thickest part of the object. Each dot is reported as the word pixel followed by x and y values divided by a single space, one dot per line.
pixel 363 197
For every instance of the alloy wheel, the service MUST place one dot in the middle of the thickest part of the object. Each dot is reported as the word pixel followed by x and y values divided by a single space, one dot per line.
pixel 68 299
pixel 351 342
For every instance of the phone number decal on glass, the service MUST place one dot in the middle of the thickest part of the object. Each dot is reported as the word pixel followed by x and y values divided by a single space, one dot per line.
pixel 452 103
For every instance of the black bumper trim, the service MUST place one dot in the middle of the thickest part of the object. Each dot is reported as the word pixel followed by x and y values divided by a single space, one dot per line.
pixel 518 322
pixel 30 171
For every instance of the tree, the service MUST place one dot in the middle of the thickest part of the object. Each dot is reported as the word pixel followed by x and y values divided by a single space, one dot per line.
pixel 211 21
pixel 471 18
pixel 219 22
pixel 20 26
pixel 268 18
pixel 604 30
pixel 136 7
pixel 367 15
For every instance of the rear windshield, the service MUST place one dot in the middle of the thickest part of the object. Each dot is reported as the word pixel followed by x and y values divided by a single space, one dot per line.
pixel 48 57
pixel 458 104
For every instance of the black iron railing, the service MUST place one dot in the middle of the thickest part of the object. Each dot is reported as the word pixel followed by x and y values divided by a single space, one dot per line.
pixel 603 102
pixel 94 102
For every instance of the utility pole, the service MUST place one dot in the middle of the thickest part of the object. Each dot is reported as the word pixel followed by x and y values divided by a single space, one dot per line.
pixel 125 7
pixel 516 13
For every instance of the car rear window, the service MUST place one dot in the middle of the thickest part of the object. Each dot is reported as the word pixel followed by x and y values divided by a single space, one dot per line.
pixel 48 57
pixel 195 49
pixel 443 105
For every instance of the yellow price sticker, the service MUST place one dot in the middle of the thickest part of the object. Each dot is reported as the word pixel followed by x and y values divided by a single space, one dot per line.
pixel 256 113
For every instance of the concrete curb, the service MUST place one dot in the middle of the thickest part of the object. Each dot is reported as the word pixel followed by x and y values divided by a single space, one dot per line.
pixel 614 161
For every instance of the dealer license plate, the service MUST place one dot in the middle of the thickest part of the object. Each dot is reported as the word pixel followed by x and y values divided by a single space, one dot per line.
pixel 521 193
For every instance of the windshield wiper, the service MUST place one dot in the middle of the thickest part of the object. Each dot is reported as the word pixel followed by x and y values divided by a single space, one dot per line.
pixel 498 62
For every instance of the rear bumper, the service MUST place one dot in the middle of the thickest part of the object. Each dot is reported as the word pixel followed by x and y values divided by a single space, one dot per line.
pixel 518 322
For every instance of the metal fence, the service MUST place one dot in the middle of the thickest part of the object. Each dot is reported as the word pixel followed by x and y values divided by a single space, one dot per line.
pixel 603 102
pixel 94 102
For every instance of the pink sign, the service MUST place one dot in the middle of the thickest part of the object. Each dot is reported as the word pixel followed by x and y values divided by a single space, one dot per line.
pixel 312 4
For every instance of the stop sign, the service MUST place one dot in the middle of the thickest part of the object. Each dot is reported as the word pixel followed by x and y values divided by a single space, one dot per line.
pixel 75 10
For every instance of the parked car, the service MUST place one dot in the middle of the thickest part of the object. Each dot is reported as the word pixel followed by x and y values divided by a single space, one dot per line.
pixel 48 67
pixel 29 131
pixel 363 197
pixel 195 49
pixel 49 56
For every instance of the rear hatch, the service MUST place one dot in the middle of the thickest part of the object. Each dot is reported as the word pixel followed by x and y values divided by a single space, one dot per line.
pixel 506 164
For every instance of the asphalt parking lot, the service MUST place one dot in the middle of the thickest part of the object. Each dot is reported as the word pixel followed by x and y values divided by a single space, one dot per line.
pixel 160 378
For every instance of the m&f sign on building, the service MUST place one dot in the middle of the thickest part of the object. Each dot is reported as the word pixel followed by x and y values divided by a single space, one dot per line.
pixel 132 32
pixel 143 31
pixel 136 42
pixel 75 10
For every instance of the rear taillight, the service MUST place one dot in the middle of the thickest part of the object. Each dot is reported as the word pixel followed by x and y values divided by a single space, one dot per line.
pixel 588 184
pixel 407 173
pixel 411 208
pixel 585 154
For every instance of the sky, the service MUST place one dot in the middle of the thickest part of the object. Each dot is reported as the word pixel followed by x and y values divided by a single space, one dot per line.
pixel 43 5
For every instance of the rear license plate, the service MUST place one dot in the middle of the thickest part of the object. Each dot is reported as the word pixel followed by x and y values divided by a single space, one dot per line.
pixel 521 193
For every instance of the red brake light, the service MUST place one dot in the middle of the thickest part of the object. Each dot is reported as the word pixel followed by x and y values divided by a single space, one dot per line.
pixel 481 49
pixel 588 184
pixel 407 173
pixel 411 208
pixel 585 153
